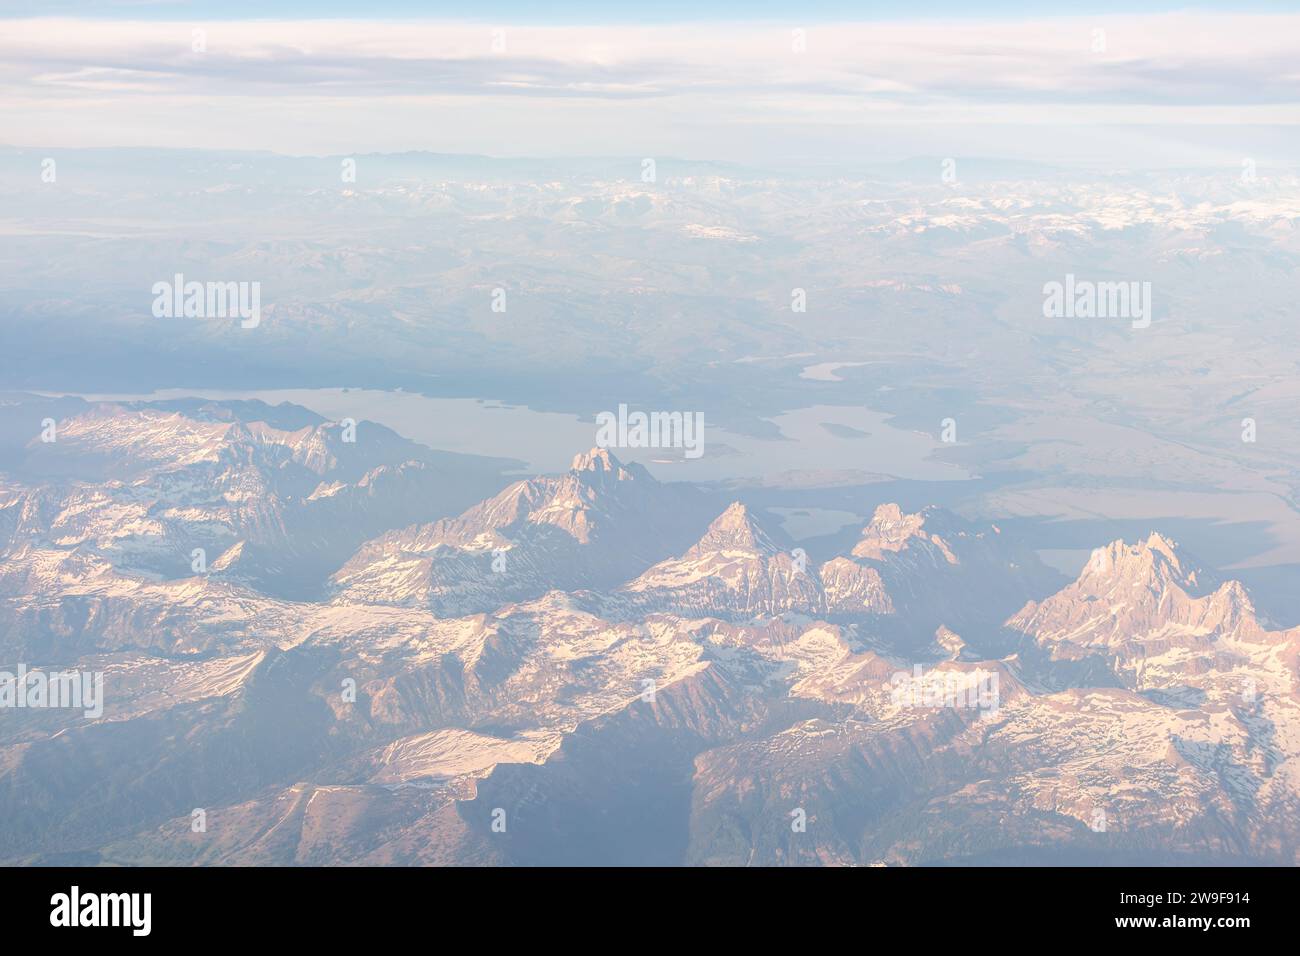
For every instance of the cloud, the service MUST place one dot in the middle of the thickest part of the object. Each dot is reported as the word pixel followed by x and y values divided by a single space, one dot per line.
pixel 1199 68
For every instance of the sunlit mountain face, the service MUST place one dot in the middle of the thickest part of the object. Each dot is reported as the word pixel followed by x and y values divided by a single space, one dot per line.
pixel 435 443
pixel 276 648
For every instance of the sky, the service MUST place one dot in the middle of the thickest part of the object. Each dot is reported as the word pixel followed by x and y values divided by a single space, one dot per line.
pixel 607 11
pixel 1159 85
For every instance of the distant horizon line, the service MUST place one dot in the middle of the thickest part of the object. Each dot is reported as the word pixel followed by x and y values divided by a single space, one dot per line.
pixel 768 164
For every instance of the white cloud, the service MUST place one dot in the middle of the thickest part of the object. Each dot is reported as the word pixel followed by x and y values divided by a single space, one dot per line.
pixel 303 86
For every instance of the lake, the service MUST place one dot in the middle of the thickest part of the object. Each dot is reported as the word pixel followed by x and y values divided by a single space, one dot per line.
pixel 820 438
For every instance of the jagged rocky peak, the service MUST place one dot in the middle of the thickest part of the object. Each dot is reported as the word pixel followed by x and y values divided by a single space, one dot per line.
pixel 597 459
pixel 1155 560
pixel 737 529
pixel 1140 600
pixel 604 461
pixel 600 467
pixel 892 529
pixel 735 570
pixel 1157 542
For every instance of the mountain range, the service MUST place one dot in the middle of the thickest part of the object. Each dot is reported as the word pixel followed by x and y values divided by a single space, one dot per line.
pixel 375 664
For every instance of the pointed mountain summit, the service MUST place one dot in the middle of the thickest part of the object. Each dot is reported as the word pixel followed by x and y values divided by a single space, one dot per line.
pixel 735 529
pixel 891 531
pixel 594 526
pixel 598 459
pixel 602 461
pixel 914 573
pixel 1132 602
pixel 596 484
pixel 1154 563
pixel 736 570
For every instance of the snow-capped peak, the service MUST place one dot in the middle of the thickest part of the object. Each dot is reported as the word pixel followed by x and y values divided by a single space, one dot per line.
pixel 891 529
pixel 597 459
pixel 736 529
pixel 1154 561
